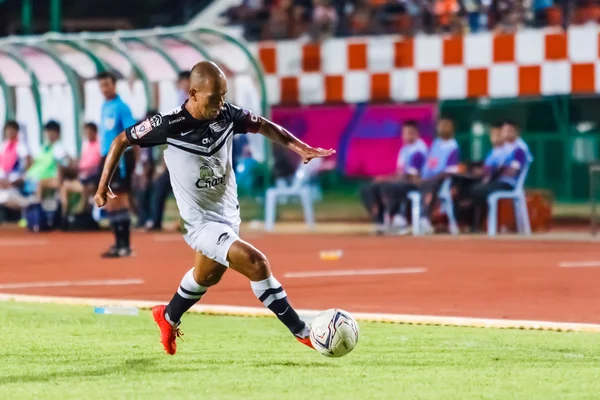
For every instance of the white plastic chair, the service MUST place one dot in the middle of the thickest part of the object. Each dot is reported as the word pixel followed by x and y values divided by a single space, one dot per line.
pixel 299 187
pixel 520 206
pixel 445 197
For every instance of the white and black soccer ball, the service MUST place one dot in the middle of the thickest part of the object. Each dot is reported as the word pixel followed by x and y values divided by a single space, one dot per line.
pixel 334 333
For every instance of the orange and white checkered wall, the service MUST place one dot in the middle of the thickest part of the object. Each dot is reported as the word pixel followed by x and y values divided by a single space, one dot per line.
pixel 424 68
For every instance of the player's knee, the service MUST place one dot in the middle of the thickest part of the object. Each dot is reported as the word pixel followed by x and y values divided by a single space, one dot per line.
pixel 209 280
pixel 257 266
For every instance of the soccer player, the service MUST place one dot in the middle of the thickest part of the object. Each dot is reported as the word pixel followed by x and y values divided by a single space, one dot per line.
pixel 199 135
pixel 116 116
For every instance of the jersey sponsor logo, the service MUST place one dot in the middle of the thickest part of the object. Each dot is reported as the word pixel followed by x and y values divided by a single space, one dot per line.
pixel 212 174
pixel 176 120
pixel 206 141
pixel 185 133
pixel 218 126
pixel 156 120
pixel 253 118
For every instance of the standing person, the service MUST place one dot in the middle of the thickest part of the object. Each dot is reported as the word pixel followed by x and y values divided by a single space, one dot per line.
pixel 199 134
pixel 116 116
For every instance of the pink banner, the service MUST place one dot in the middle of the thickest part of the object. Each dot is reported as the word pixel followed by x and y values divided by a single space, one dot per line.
pixel 367 137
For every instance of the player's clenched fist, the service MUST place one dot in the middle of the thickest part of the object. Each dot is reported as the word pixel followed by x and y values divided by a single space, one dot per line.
pixel 102 197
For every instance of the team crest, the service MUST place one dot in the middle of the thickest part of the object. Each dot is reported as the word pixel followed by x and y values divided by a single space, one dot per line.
pixel 218 126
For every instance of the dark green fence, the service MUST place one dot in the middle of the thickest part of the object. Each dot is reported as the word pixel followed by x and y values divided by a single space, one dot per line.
pixel 562 132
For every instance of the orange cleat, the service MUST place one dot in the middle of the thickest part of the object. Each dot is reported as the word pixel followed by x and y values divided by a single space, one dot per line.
pixel 305 341
pixel 168 332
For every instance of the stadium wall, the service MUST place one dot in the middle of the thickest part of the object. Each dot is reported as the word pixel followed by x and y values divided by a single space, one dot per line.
pixel 424 68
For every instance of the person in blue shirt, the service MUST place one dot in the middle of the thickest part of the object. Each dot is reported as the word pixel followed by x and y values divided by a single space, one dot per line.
pixel 442 160
pixel 481 173
pixel 387 193
pixel 515 157
pixel 116 117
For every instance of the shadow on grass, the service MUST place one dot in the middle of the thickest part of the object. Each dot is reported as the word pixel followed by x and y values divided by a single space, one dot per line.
pixel 134 364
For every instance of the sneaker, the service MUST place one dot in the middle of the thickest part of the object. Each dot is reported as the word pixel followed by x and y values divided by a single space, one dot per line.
pixel 425 225
pixel 168 332
pixel 116 252
pixel 399 225
pixel 304 336
pixel 305 341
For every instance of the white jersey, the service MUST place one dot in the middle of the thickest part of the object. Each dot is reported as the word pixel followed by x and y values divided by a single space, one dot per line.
pixel 199 160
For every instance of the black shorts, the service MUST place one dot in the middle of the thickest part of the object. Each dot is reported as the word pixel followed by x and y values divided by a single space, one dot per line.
pixel 121 180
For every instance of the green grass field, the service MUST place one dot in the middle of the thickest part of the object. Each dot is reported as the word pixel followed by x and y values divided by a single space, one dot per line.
pixel 62 352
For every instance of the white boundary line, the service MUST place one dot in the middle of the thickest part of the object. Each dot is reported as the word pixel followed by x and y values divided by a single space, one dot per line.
pixel 22 242
pixel 355 272
pixel 263 312
pixel 579 264
pixel 107 282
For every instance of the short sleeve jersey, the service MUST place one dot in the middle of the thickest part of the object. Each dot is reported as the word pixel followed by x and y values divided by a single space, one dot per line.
pixel 199 160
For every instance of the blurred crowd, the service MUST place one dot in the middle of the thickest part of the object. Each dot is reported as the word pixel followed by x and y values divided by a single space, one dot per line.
pixel 319 19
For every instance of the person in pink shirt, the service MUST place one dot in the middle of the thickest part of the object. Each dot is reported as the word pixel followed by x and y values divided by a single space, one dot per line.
pixel 84 180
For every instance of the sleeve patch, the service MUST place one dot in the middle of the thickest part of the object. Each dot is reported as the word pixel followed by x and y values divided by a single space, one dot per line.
pixel 141 129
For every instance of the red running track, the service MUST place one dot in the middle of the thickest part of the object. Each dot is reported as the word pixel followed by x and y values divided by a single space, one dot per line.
pixel 463 277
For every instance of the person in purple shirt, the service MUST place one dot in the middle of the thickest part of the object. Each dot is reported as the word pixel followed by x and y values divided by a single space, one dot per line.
pixel 388 192
pixel 516 157
pixel 442 160
pixel 411 160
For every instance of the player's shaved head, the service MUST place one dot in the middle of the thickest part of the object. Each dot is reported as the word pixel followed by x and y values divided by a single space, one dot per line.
pixel 205 73
pixel 208 86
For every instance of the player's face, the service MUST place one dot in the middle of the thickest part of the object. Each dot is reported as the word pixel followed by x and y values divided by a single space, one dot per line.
pixel 209 99
pixel 509 132
pixel 108 88
pixel 496 137
pixel 10 133
pixel 409 134
pixel 445 128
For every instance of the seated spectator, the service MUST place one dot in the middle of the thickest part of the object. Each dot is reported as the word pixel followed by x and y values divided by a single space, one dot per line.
pixel 387 193
pixel 442 160
pixel 516 157
pixel 46 171
pixel 84 179
pixel 411 160
pixel 15 159
pixel 485 173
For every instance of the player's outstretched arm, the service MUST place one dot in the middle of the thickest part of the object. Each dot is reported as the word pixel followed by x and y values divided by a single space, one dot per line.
pixel 282 136
pixel 117 148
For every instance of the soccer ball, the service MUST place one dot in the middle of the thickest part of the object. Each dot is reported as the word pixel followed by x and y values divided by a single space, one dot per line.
pixel 334 333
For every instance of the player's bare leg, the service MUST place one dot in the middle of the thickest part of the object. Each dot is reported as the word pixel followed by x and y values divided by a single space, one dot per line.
pixel 250 262
pixel 120 222
pixel 193 286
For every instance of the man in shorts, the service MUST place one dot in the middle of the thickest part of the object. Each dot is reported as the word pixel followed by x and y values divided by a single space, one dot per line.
pixel 199 135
